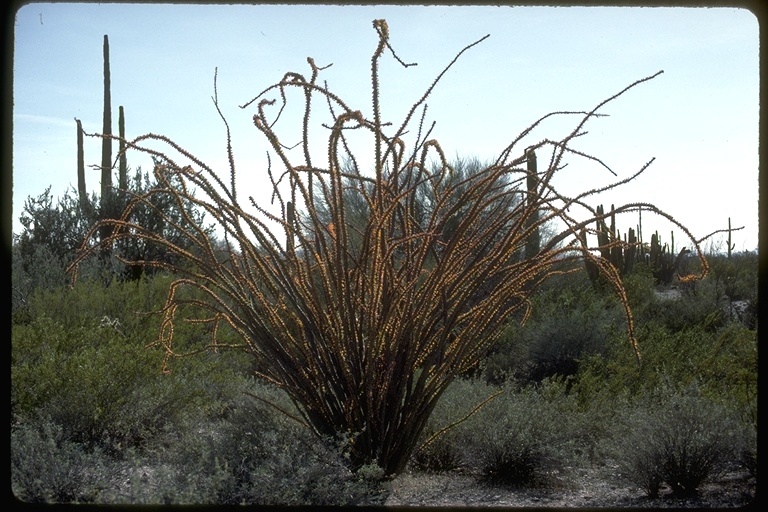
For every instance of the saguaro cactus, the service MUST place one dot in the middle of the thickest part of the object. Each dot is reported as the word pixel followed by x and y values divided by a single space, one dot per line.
pixel 664 263
pixel 621 254
pixel 532 243
pixel 82 192
pixel 107 203
pixel 106 149
pixel 122 182
pixel 106 142
pixel 731 246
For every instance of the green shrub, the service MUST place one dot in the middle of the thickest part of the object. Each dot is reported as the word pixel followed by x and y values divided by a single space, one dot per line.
pixel 680 439
pixel 255 455
pixel 446 451
pixel 105 389
pixel 442 454
pixel 735 277
pixel 723 363
pixel 700 308
pixel 705 303
pixel 46 467
pixel 520 436
pixel 570 321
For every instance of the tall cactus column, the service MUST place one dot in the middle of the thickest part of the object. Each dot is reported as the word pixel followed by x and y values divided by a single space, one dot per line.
pixel 532 242
pixel 106 148
pixel 122 182
pixel 82 191
pixel 108 203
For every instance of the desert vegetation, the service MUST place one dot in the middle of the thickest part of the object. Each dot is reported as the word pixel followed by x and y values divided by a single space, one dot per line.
pixel 175 342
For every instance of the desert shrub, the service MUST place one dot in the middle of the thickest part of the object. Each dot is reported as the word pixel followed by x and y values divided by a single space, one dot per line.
pixel 696 306
pixel 441 446
pixel 255 455
pixel 133 308
pixel 43 269
pixel 723 363
pixel 47 467
pixel 519 437
pixel 58 227
pixel 736 277
pixel 161 484
pixel 704 302
pixel 570 321
pixel 442 454
pixel 104 388
pixel 53 230
pixel 130 304
pixel 639 285
pixel 680 439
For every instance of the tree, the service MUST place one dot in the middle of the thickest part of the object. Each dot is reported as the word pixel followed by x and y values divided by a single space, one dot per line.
pixel 365 320
pixel 55 232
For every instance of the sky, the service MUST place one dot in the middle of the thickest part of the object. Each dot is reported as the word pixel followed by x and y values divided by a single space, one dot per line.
pixel 699 119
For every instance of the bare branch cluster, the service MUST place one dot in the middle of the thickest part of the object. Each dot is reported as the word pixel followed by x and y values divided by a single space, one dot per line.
pixel 365 320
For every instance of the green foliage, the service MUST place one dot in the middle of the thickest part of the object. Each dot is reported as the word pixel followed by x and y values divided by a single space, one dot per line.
pixel 736 277
pixel 52 232
pixel 520 436
pixel 689 309
pixel 101 389
pixel 254 455
pixel 43 271
pixel 445 449
pixel 724 363
pixel 49 232
pixel 570 321
pixel 47 467
pixel 82 362
pixel 686 338
pixel 677 438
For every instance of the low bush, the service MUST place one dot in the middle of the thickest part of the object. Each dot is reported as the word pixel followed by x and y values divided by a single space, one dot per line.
pixel 255 455
pixel 442 442
pixel 723 363
pixel 694 308
pixel 105 389
pixel 519 437
pixel 252 454
pixel 680 439
pixel 570 321
pixel 47 467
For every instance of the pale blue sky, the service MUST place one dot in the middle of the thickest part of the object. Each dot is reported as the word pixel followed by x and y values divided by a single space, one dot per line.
pixel 699 119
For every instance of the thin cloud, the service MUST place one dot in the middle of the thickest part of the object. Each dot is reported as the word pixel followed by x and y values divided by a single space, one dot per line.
pixel 58 122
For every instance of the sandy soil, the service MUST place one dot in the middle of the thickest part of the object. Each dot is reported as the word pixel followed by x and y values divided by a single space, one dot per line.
pixel 597 487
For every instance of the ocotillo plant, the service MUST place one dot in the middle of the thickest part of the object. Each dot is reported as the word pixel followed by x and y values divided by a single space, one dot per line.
pixel 365 321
